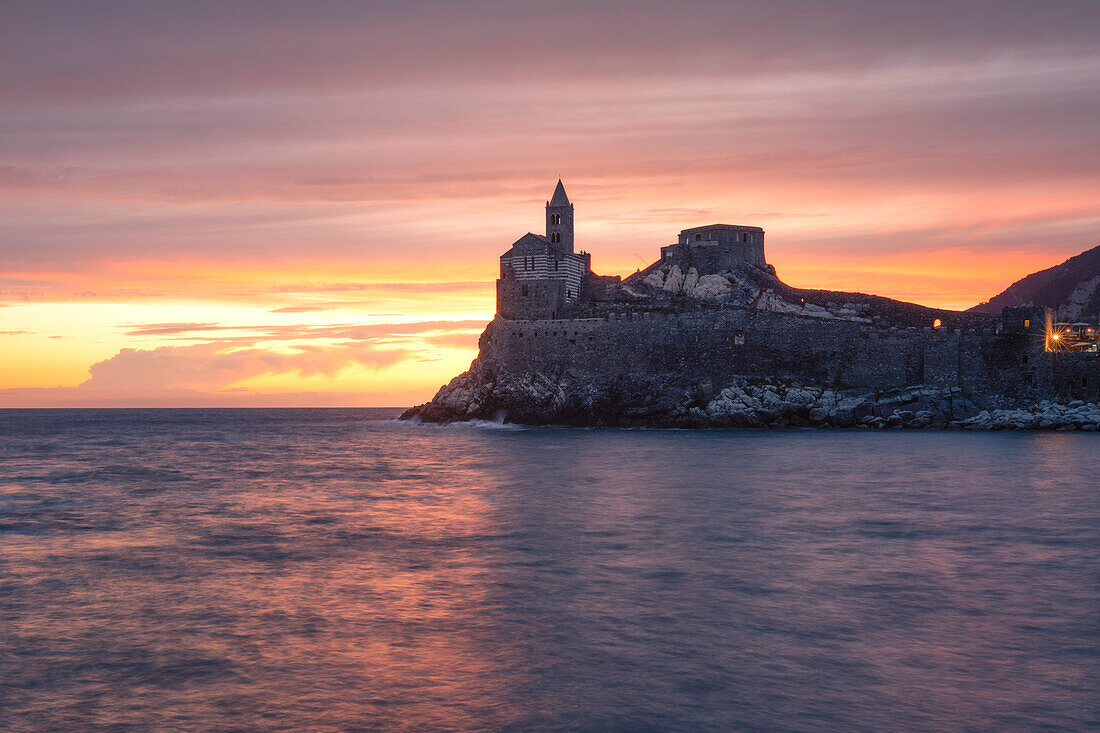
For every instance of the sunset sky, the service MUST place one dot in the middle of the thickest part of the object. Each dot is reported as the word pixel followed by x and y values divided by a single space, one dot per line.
pixel 236 203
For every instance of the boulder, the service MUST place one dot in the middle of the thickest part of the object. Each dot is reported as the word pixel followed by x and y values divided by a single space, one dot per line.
pixel 712 287
pixel 690 281
pixel 674 282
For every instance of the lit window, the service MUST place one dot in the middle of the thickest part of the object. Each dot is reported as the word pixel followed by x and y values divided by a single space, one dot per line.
pixel 1027 323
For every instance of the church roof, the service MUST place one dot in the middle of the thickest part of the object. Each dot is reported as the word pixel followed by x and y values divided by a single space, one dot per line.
pixel 528 242
pixel 559 198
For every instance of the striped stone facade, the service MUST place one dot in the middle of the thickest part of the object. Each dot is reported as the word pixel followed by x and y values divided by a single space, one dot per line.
pixel 541 274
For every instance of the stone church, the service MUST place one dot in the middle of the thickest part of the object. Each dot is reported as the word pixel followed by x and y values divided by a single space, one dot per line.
pixel 541 274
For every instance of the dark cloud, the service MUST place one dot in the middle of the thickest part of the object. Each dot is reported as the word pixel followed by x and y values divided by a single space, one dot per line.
pixel 140 48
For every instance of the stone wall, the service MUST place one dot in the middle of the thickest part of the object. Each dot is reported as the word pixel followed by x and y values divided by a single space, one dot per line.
pixel 719 345
pixel 530 299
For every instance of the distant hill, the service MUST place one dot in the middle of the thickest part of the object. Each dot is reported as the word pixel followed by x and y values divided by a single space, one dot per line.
pixel 1072 289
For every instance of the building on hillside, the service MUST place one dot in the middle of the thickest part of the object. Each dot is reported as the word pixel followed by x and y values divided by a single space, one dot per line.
pixel 717 248
pixel 541 274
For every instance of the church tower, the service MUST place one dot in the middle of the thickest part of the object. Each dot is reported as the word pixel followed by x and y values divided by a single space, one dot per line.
pixel 559 220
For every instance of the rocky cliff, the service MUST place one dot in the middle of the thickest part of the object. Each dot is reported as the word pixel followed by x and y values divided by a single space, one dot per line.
pixel 739 348
pixel 489 392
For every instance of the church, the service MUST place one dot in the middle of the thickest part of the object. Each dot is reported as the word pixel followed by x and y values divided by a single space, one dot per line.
pixel 541 274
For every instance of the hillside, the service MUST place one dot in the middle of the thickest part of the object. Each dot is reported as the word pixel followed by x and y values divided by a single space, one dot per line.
pixel 1072 289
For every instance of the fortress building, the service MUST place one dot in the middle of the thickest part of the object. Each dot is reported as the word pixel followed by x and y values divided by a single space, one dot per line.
pixel 540 275
pixel 717 248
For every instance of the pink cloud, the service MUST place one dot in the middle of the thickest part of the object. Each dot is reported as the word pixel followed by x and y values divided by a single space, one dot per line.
pixel 212 367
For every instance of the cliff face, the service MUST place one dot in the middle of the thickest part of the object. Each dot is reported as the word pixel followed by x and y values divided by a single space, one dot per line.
pixel 490 391
pixel 1071 290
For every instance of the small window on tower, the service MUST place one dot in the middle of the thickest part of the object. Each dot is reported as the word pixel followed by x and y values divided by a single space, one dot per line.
pixel 524 291
pixel 1027 323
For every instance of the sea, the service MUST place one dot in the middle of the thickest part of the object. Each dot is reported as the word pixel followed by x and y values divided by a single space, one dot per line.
pixel 340 570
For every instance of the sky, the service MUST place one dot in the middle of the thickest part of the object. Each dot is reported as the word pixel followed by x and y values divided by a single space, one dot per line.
pixel 266 203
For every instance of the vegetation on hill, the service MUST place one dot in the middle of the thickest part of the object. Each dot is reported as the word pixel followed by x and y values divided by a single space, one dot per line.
pixel 1071 289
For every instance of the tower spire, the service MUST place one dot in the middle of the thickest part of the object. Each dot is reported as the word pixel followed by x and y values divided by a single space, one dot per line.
pixel 559 198
pixel 559 220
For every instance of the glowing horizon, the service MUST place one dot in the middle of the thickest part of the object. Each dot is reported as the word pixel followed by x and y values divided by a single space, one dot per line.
pixel 260 205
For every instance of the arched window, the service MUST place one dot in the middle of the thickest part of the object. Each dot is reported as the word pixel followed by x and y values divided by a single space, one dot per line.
pixel 524 291
pixel 555 218
pixel 555 237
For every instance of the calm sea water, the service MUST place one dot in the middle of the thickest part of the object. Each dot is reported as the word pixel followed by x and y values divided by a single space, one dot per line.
pixel 334 570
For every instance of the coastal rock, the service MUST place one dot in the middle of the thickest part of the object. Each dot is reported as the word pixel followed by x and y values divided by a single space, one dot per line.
pixel 487 392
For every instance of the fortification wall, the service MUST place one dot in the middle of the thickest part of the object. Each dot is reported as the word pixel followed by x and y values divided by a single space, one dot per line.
pixel 712 257
pixel 721 344
pixel 530 299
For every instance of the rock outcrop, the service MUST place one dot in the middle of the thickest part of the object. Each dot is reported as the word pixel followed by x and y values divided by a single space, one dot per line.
pixel 748 287
pixel 487 392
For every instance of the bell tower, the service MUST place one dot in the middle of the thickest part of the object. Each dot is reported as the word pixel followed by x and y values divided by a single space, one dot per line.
pixel 559 220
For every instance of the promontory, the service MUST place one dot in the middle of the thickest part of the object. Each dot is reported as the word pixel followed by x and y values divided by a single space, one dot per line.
pixel 709 336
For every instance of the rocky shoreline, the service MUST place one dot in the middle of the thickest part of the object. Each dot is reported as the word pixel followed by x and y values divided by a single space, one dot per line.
pixel 487 392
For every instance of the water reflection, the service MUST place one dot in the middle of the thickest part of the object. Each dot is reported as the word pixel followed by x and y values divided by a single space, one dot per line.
pixel 321 570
